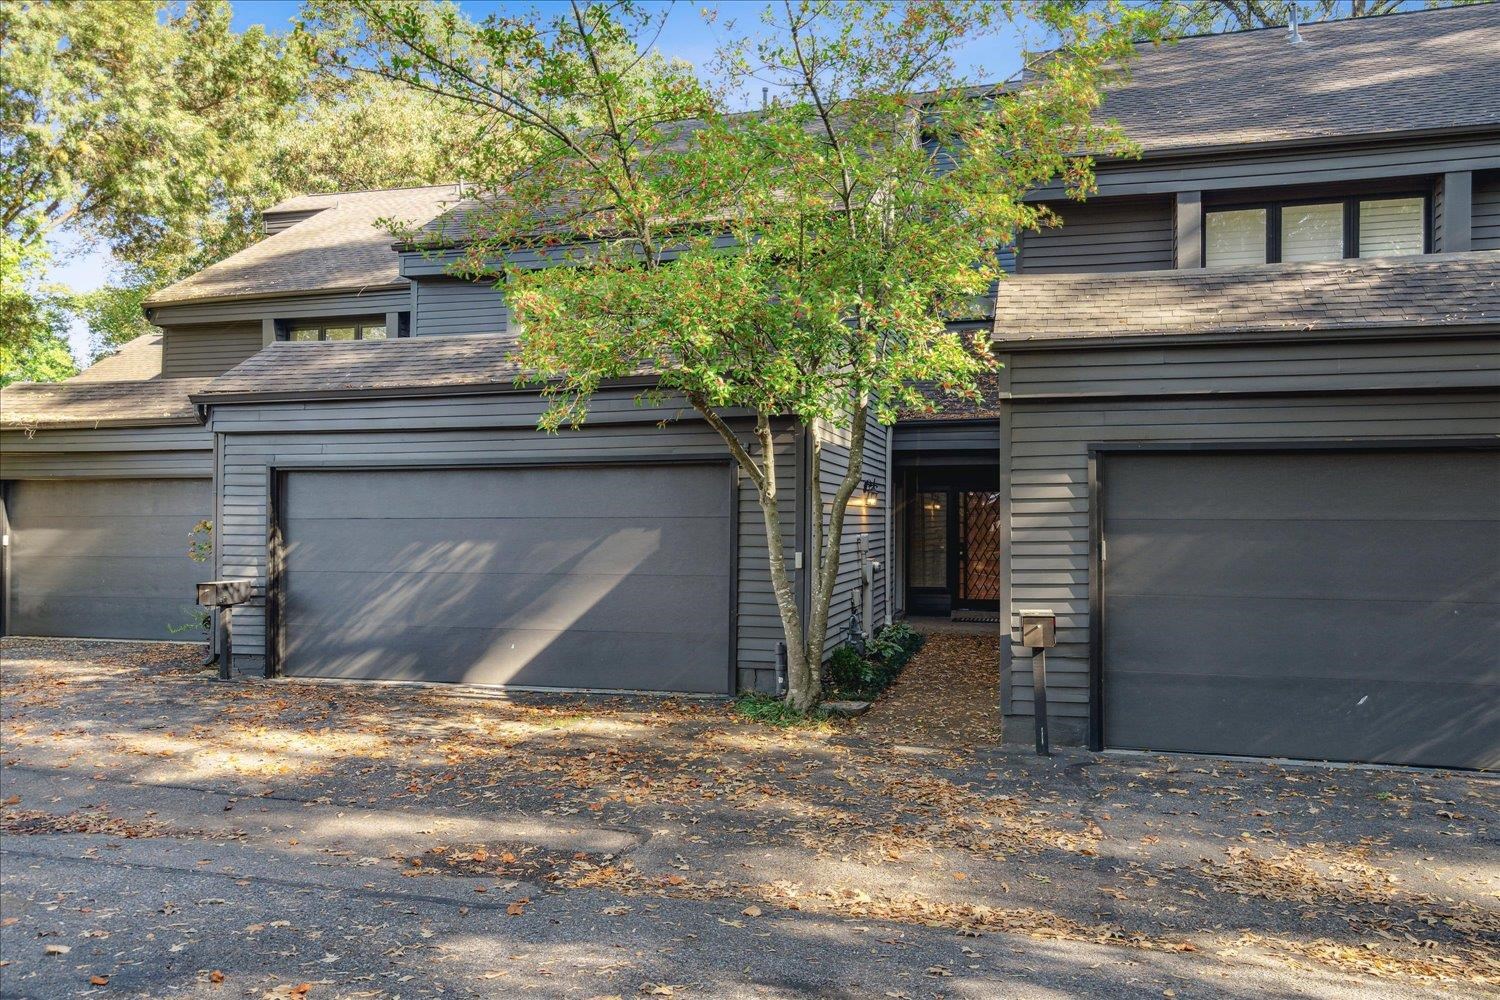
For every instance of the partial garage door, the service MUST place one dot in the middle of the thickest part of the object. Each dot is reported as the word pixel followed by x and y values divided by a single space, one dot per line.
pixel 579 577
pixel 1327 606
pixel 104 558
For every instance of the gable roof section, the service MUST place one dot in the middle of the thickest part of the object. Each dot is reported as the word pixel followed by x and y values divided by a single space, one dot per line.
pixel 131 362
pixel 340 247
pixel 1434 291
pixel 1420 71
pixel 335 367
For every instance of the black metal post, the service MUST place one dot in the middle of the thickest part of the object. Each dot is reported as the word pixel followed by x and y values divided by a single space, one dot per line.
pixel 1039 700
pixel 226 648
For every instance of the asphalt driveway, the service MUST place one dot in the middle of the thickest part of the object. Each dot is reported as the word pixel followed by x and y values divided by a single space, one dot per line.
pixel 165 834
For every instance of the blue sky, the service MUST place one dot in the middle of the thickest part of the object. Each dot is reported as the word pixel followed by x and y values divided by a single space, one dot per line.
pixel 685 36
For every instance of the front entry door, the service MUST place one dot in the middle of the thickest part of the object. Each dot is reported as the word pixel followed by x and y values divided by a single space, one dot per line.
pixel 953 546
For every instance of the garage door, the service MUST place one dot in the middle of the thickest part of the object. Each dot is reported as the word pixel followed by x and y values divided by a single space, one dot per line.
pixel 603 577
pixel 1327 606
pixel 104 558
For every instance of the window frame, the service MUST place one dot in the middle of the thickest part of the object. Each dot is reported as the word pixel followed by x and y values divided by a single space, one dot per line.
pixel 1350 205
pixel 293 326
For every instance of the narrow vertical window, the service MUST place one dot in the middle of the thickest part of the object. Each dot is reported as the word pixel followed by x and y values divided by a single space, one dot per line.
pixel 1392 227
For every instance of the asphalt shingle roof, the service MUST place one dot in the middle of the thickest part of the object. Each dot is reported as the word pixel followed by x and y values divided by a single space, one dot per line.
pixel 337 366
pixel 84 403
pixel 1437 290
pixel 131 362
pixel 341 247
pixel 1423 70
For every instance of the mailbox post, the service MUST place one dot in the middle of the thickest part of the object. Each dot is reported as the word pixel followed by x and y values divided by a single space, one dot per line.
pixel 224 595
pixel 1039 634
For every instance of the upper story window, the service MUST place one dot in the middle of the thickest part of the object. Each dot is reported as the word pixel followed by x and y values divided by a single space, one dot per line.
pixel 341 329
pixel 1315 230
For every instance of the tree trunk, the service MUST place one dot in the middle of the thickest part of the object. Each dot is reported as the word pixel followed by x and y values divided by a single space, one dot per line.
pixel 804 648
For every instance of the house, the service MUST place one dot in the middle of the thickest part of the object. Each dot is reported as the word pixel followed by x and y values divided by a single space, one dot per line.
pixel 1244 444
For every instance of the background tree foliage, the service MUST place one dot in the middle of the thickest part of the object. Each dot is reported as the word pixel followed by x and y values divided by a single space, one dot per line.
pixel 801 262
pixel 156 130
pixel 1201 16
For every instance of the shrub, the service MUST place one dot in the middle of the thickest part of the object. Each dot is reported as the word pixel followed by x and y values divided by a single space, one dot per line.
pixel 863 676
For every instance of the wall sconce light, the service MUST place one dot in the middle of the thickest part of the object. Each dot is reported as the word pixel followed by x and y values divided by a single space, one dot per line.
pixel 872 492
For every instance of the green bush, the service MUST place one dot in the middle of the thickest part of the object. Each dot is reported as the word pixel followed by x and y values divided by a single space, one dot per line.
pixel 862 677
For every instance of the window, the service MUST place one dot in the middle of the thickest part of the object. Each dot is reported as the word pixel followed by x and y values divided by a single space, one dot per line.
pixel 1235 239
pixel 1315 230
pixel 1391 227
pixel 372 329
pixel 1312 232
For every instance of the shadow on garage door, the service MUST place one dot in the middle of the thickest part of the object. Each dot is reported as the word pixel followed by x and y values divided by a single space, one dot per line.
pixel 598 577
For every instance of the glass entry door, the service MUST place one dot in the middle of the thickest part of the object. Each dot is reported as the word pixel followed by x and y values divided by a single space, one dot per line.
pixel 952 543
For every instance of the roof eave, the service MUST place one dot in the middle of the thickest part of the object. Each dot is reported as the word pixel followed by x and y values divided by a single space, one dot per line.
pixel 150 304
pixel 1265 335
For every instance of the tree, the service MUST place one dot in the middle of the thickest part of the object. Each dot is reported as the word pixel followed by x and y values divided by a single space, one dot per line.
pixel 1202 16
pixel 796 263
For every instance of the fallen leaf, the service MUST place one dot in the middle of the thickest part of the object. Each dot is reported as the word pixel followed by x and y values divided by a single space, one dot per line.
pixel 216 976
pixel 751 911
pixel 99 980
pixel 517 908
pixel 56 949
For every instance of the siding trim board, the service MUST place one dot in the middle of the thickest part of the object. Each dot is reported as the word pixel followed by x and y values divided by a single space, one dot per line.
pixel 275 639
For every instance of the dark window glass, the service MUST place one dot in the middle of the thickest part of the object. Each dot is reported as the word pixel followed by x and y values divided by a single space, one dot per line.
pixel 929 550
pixel 1392 227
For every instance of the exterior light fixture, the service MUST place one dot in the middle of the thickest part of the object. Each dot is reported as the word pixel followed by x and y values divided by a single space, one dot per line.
pixel 872 492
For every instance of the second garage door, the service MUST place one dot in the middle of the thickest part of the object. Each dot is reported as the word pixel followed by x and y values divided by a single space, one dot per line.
pixel 104 558
pixel 1332 606
pixel 581 577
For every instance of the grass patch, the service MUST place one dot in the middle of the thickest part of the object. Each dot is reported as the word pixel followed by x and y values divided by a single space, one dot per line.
pixel 771 711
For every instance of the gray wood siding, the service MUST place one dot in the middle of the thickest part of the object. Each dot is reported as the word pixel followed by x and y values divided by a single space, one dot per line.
pixel 114 452
pixel 1306 367
pixel 353 302
pixel 1254 169
pixel 1131 234
pixel 860 521
pixel 205 351
pixel 449 306
pixel 1487 211
pixel 1064 401
pixel 474 430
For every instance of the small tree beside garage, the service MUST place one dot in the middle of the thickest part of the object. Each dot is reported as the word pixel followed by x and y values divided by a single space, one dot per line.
pixel 800 261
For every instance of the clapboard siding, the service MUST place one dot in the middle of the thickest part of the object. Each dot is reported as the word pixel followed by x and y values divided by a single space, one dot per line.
pixel 206 351
pixel 1065 401
pixel 473 430
pixel 1131 234
pixel 1257 169
pixel 1443 362
pixel 860 521
pixel 1487 211
pixel 450 306
pixel 932 435
pixel 107 453
pixel 351 302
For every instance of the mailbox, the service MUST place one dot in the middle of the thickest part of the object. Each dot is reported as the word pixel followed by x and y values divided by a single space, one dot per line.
pixel 1038 629
pixel 223 593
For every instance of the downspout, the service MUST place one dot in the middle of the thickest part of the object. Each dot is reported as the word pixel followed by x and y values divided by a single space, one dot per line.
pixel 890 497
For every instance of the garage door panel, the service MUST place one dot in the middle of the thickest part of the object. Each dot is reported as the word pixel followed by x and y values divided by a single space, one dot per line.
pixel 576 577
pixel 543 545
pixel 1373 641
pixel 1452 560
pixel 104 558
pixel 1305 485
pixel 522 658
pixel 622 604
pixel 1297 715
pixel 1365 628
pixel 521 492
pixel 96 578
pixel 113 536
